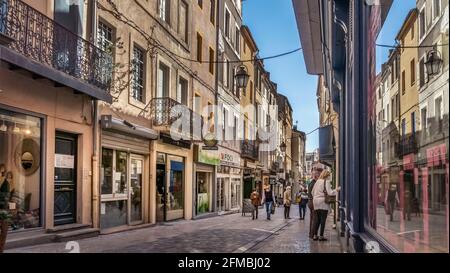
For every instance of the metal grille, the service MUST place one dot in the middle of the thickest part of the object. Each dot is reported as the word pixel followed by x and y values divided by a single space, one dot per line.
pixel 138 74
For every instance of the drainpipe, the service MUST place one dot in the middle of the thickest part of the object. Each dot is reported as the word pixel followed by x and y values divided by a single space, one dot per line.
pixel 216 121
pixel 342 204
pixel 95 190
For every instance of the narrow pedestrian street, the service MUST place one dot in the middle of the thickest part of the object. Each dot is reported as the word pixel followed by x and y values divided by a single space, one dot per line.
pixel 231 233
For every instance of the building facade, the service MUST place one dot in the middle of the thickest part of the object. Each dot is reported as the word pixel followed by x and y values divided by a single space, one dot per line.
pixel 404 220
pixel 47 113
pixel 229 172
pixel 249 146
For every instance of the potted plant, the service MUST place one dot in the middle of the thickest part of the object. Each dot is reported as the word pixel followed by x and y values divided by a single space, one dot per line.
pixel 5 218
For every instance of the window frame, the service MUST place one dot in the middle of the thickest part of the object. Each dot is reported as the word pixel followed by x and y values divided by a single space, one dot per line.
pixel 412 67
pixel 199 43
pixel 180 78
pixel 136 47
pixel 164 63
pixel 185 36
pixel 212 55
pixel 212 11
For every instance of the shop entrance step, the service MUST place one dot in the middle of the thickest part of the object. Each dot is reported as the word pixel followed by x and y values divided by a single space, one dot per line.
pixel 77 234
pixel 64 228
pixel 28 238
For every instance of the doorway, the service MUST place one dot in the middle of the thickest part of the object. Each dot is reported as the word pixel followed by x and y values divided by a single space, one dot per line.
pixel 170 188
pixel 65 185
pixel 122 188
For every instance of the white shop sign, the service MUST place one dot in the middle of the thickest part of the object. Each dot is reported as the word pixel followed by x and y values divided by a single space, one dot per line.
pixel 229 159
pixel 64 161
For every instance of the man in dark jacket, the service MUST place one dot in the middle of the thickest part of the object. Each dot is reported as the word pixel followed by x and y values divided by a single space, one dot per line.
pixel 315 173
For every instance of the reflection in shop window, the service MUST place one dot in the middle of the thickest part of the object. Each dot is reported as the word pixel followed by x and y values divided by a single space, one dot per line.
pixel 409 192
pixel 20 176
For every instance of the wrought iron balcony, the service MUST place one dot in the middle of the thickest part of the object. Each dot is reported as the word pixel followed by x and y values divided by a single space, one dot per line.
pixel 165 111
pixel 32 36
pixel 407 145
pixel 249 150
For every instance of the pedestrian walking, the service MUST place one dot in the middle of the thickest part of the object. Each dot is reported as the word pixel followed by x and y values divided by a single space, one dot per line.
pixel 312 216
pixel 407 207
pixel 302 203
pixel 391 200
pixel 268 200
pixel 256 201
pixel 322 188
pixel 287 202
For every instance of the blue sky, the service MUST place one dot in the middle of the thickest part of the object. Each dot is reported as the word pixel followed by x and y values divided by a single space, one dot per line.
pixel 394 21
pixel 274 28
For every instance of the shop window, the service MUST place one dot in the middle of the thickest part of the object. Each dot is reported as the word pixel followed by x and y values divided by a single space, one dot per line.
pixel 20 169
pixel 407 194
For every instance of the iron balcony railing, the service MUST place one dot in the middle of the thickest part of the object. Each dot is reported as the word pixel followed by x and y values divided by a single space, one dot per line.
pixel 165 111
pixel 41 39
pixel 249 150
pixel 407 145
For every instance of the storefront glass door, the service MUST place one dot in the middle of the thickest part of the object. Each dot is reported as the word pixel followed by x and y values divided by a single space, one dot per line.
pixel 122 186
pixel 175 194
pixel 65 179
pixel 136 172
pixel 170 188
pixel 203 192
pixel 223 191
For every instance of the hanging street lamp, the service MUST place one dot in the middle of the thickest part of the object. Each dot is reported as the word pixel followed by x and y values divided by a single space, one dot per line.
pixel 433 63
pixel 242 77
pixel 283 147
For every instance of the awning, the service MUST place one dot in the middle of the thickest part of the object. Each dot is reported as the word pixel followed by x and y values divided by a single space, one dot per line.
pixel 327 153
pixel 110 123
pixel 307 13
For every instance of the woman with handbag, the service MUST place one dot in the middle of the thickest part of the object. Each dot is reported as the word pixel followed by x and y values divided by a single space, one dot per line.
pixel 323 196
pixel 287 202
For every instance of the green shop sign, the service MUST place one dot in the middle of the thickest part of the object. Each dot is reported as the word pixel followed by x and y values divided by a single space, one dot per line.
pixel 206 157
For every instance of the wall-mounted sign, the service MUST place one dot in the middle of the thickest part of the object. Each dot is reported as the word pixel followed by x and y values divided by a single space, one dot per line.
pixel 408 162
pixel 64 161
pixel 186 144
pixel 209 157
pixel 210 142
pixel 436 155
pixel 229 159
pixel 249 164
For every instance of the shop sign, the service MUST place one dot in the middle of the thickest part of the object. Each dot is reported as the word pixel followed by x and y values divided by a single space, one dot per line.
pixel 64 161
pixel 436 154
pixel 179 143
pixel 209 157
pixel 408 162
pixel 230 160
pixel 250 164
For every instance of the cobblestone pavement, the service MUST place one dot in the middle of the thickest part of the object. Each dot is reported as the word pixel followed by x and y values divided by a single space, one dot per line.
pixel 221 234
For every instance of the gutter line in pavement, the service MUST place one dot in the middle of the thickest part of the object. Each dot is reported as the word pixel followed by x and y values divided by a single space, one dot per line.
pixel 262 238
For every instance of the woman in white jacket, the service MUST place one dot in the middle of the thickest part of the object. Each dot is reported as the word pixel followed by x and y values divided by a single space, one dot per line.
pixel 320 207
